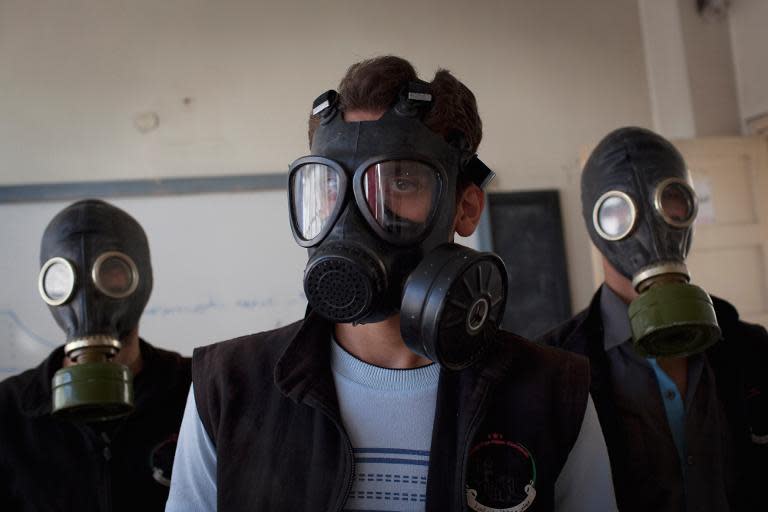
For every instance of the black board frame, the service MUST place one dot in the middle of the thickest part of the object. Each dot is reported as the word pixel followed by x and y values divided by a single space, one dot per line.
pixel 539 293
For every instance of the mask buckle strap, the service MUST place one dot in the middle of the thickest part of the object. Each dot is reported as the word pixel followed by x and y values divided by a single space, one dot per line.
pixel 326 106
pixel 477 172
pixel 415 99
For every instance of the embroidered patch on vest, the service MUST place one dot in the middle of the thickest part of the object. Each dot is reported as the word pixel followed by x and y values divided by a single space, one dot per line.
pixel 161 460
pixel 501 476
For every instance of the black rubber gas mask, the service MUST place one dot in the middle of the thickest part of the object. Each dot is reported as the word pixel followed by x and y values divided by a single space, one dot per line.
pixel 96 278
pixel 374 205
pixel 639 207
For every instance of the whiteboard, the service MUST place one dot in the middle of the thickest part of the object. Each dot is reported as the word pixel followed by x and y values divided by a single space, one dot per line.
pixel 224 265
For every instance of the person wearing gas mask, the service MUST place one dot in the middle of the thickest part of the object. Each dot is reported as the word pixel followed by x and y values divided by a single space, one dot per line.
pixel 397 391
pixel 678 380
pixel 94 426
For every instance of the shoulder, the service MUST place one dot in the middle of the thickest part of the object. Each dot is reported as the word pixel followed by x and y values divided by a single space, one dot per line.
pixel 564 373
pixel 574 334
pixel 742 352
pixel 244 353
pixel 736 333
pixel 232 366
pixel 30 391
pixel 172 363
pixel 238 373
pixel 571 334
pixel 172 358
pixel 13 388
pixel 167 379
pixel 546 354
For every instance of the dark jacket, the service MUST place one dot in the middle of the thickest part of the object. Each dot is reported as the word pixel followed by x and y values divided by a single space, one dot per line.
pixel 49 464
pixel 269 405
pixel 738 361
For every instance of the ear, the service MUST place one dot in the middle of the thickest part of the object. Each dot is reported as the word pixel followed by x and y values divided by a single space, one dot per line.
pixel 469 208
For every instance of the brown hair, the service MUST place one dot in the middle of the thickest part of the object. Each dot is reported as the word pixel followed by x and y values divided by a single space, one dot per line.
pixel 374 85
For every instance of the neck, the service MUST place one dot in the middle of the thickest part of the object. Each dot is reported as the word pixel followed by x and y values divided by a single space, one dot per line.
pixel 616 281
pixel 379 344
pixel 130 354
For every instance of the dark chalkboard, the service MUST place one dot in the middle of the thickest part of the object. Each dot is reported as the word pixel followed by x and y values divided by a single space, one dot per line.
pixel 527 232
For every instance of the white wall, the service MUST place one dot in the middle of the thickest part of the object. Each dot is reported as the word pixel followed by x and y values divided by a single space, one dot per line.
pixel 670 88
pixel 709 64
pixel 550 75
pixel 749 40
pixel 690 70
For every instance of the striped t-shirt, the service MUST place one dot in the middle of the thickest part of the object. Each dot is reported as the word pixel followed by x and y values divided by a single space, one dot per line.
pixel 388 415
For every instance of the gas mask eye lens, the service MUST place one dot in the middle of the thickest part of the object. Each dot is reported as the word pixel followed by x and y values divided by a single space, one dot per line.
pixel 115 274
pixel 676 202
pixel 56 282
pixel 315 191
pixel 614 215
pixel 401 195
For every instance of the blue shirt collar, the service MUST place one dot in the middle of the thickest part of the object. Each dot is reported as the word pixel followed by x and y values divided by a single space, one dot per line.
pixel 615 314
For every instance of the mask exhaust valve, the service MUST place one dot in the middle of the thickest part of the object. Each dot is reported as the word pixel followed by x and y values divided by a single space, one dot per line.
pixel 477 316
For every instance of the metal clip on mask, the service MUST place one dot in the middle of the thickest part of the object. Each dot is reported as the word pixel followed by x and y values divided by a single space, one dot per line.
pixel 373 205
pixel 96 279
pixel 639 206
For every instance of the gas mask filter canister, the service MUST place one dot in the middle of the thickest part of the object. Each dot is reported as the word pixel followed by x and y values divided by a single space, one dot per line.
pixel 453 303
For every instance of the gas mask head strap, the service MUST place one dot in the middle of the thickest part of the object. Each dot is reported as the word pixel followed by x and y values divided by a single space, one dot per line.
pixel 326 106
pixel 477 172
pixel 472 167
pixel 414 100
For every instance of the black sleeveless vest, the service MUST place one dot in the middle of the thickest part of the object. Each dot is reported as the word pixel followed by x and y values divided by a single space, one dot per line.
pixel 502 430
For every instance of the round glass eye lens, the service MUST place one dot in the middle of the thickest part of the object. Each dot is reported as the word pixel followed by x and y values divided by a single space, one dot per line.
pixel 58 281
pixel 677 203
pixel 315 192
pixel 615 216
pixel 115 277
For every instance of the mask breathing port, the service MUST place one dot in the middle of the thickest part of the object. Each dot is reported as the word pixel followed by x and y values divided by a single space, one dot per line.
pixel 342 282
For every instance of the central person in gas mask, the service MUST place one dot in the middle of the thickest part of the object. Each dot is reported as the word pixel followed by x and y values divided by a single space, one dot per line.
pixel 397 391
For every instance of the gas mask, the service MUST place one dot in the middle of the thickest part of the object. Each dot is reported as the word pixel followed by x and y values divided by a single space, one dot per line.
pixel 639 207
pixel 96 278
pixel 374 204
